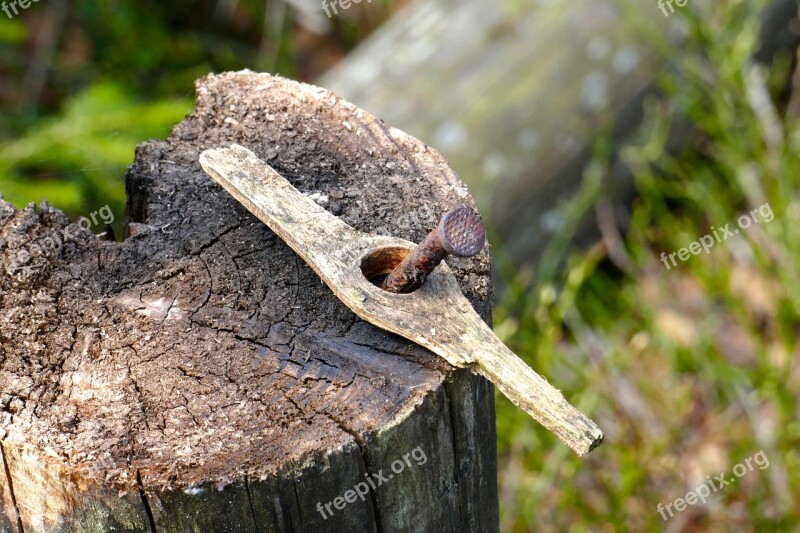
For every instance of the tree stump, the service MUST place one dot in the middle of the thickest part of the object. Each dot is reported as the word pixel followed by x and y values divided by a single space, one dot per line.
pixel 516 102
pixel 198 376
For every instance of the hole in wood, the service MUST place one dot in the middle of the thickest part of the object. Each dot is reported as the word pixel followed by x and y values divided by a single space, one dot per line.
pixel 378 264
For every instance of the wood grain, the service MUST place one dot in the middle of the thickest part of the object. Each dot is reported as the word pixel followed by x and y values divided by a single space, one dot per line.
pixel 437 316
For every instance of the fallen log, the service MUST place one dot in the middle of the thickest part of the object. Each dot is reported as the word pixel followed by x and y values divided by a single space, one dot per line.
pixel 198 376
pixel 515 94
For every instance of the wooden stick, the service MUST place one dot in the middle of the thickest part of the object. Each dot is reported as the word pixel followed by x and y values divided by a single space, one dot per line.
pixel 437 316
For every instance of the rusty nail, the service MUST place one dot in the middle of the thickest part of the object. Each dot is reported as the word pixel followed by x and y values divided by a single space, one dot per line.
pixel 460 232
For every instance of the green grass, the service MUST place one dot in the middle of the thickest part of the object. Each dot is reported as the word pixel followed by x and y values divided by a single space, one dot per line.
pixel 689 370
pixel 77 159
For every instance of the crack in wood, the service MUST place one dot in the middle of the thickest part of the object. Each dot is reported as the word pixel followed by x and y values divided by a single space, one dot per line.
pixel 363 448
pixel 250 503
pixel 145 502
pixel 10 482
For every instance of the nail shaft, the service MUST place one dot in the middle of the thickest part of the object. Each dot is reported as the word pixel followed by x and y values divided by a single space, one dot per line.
pixel 460 232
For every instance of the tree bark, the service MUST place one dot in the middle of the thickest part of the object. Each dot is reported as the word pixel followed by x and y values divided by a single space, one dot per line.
pixel 199 376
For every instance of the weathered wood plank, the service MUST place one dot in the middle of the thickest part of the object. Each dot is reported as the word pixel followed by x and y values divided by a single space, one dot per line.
pixel 436 316
pixel 514 93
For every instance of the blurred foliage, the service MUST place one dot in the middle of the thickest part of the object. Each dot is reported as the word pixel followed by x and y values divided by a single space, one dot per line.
pixel 82 83
pixel 689 370
pixel 77 158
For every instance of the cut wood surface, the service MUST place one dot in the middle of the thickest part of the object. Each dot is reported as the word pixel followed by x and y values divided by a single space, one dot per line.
pixel 436 316
pixel 199 377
